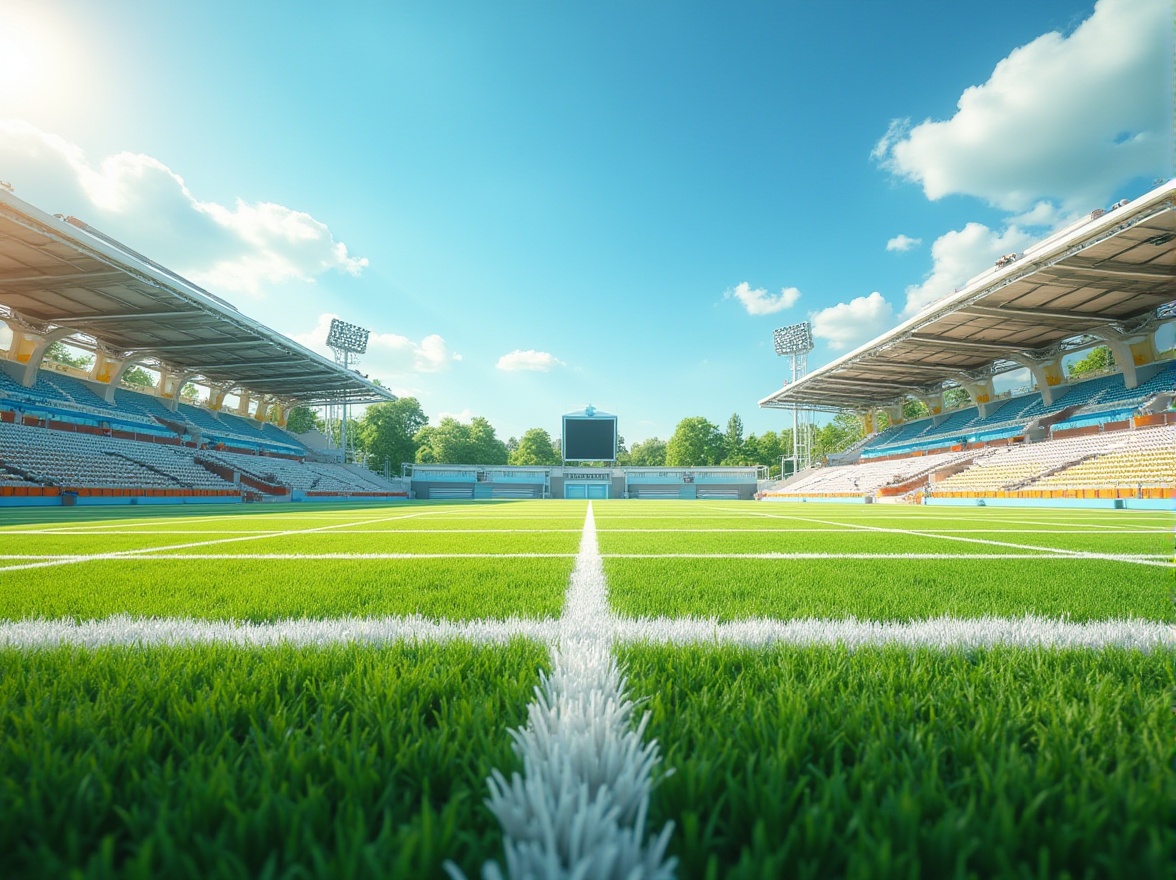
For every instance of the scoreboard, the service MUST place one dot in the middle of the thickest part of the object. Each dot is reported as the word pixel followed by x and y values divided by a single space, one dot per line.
pixel 589 435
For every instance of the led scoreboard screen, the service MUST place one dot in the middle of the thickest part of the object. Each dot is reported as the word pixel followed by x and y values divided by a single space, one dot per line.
pixel 590 436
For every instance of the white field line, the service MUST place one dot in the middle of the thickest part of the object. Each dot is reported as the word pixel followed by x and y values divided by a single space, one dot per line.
pixel 124 554
pixel 1160 559
pixel 578 810
pixel 992 515
pixel 943 537
pixel 122 629
pixel 782 530
pixel 946 633
pixel 179 533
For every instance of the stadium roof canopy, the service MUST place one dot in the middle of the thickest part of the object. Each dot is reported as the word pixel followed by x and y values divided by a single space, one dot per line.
pixel 58 272
pixel 1108 273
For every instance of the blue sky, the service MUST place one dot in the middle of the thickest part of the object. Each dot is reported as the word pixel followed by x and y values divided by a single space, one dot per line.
pixel 535 207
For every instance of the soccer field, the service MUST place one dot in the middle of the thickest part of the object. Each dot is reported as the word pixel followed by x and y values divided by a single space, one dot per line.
pixel 833 690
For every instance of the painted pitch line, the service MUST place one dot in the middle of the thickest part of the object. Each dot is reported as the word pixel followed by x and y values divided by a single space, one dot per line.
pixel 132 554
pixel 579 808
pixel 280 557
pixel 945 633
pixel 1162 559
pixel 1058 551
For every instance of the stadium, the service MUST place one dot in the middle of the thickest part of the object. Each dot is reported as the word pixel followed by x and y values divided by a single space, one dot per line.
pixel 228 649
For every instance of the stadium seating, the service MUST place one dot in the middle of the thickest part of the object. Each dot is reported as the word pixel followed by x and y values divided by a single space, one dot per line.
pixel 867 477
pixel 1132 459
pixel 1094 401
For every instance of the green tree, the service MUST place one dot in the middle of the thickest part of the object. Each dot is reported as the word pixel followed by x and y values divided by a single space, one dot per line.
pixel 535 448
pixel 1099 359
pixel 388 431
pixel 648 453
pixel 733 451
pixel 452 442
pixel 841 432
pixel 60 354
pixel 301 419
pixel 956 397
pixel 696 442
pixel 189 393
pixel 137 377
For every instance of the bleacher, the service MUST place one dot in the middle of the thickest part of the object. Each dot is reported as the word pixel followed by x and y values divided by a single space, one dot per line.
pixel 1094 401
pixel 867 477
pixel 1133 459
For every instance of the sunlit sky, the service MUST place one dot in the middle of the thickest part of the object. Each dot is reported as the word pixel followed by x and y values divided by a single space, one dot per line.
pixel 536 207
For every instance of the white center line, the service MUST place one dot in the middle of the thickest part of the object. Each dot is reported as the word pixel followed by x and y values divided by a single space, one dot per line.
pixel 579 808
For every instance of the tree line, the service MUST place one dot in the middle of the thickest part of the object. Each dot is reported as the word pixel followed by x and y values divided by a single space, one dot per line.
pixel 393 433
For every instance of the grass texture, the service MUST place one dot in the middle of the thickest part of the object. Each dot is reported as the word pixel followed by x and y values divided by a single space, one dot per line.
pixel 226 762
pixel 733 589
pixel 826 762
pixel 263 590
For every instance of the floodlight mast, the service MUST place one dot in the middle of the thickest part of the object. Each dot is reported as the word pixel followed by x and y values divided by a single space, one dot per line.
pixel 796 341
pixel 347 341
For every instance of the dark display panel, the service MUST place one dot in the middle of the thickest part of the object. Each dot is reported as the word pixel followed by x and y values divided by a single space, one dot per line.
pixel 589 439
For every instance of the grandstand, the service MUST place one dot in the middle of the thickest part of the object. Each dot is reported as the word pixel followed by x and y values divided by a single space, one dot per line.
pixel 80 437
pixel 1108 440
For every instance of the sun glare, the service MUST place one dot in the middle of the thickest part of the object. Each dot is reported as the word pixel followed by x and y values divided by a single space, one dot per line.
pixel 32 60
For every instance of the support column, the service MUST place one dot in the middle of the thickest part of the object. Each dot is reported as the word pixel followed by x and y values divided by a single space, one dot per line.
pixel 216 397
pixel 867 420
pixel 1048 374
pixel 261 414
pixel 1130 351
pixel 108 370
pixel 894 414
pixel 28 349
pixel 170 384
pixel 243 401
pixel 981 391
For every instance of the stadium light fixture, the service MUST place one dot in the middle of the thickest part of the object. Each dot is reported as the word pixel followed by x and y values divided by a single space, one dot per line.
pixel 347 337
pixel 793 339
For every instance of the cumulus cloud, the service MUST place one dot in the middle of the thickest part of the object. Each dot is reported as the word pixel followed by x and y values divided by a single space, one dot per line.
pixel 847 325
pixel 760 302
pixel 138 200
pixel 387 353
pixel 959 255
pixel 529 360
pixel 1065 118
pixel 903 243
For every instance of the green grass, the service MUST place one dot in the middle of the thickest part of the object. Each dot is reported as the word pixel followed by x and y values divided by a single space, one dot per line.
pixel 260 590
pixel 826 762
pixel 731 589
pixel 763 541
pixel 279 762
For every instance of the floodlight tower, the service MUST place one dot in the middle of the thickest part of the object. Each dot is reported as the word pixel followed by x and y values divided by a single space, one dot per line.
pixel 347 341
pixel 796 341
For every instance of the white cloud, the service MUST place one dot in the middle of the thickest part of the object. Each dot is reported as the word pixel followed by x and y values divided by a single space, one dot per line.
pixel 903 243
pixel 140 201
pixel 959 255
pixel 847 325
pixel 529 360
pixel 388 354
pixel 1065 118
pixel 760 302
pixel 465 416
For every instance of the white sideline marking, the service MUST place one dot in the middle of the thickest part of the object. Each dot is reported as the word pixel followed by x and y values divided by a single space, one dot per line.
pixel 946 633
pixel 1162 560
pixel 291 557
pixel 578 809
pixel 1141 558
pixel 123 554
pixel 943 537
